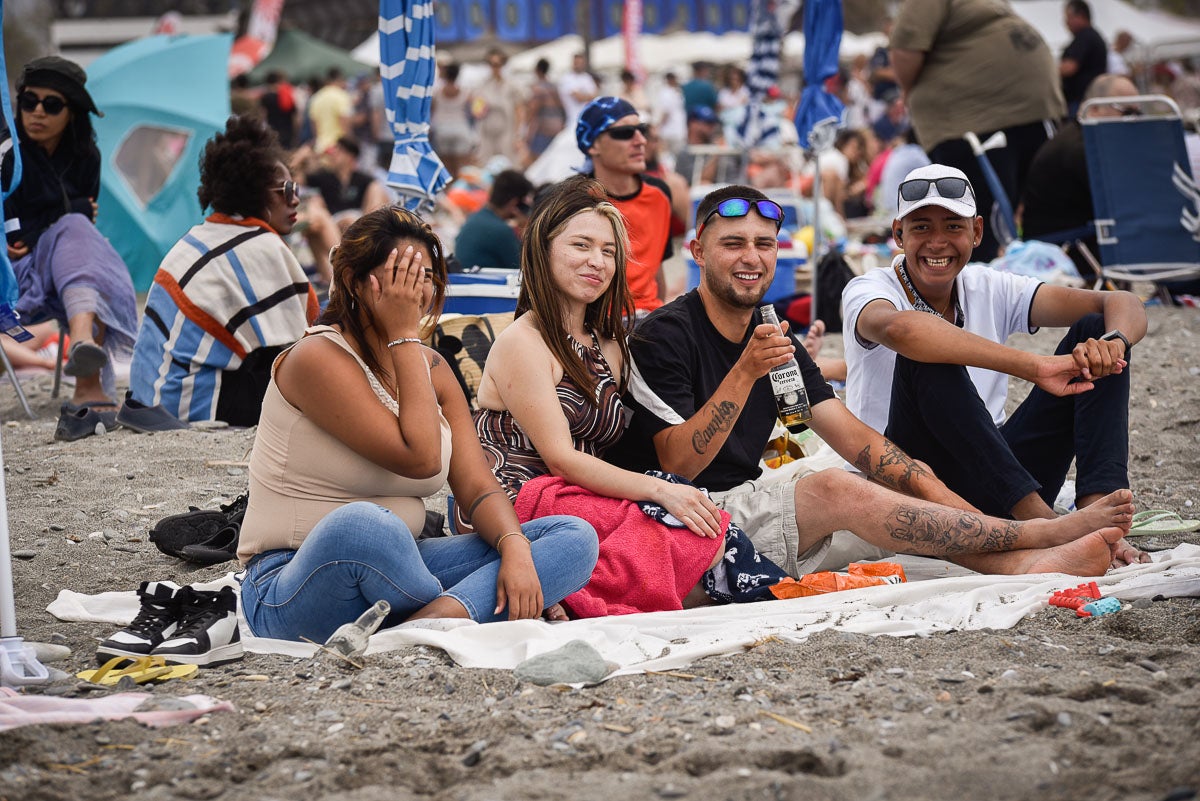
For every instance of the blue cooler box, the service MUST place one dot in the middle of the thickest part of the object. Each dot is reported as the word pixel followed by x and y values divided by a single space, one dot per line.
pixel 483 291
pixel 784 283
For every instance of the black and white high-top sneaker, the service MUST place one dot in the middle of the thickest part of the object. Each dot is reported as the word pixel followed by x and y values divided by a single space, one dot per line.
pixel 208 630
pixel 155 621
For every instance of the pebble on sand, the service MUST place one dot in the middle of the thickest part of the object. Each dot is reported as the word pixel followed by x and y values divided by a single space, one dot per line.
pixel 577 662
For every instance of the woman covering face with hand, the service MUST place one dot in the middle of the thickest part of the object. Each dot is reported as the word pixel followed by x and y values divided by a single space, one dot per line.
pixel 360 423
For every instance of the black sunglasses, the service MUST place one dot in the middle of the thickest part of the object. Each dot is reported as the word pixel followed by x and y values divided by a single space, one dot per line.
pixel 949 188
pixel 50 104
pixel 740 207
pixel 623 133
pixel 290 191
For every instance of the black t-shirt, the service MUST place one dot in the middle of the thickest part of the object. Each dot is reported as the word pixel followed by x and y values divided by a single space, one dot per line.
pixel 1087 50
pixel 283 122
pixel 1058 194
pixel 680 359
pixel 51 186
pixel 340 198
pixel 882 86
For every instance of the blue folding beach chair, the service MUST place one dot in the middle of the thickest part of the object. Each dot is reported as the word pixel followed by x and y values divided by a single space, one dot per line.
pixel 1146 201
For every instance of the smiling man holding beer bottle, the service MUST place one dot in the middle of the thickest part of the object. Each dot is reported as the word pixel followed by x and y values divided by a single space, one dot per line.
pixel 703 407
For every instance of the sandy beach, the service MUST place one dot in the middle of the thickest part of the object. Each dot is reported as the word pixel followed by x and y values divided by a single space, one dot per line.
pixel 1054 708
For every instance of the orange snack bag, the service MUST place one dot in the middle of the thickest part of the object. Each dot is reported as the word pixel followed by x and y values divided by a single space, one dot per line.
pixel 857 575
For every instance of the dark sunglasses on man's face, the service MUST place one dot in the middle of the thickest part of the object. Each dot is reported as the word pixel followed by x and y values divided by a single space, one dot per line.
pixel 623 133
pixel 949 188
pixel 52 105
pixel 289 190
pixel 740 207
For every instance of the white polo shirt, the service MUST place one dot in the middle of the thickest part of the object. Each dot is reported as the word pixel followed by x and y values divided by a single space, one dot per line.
pixel 995 305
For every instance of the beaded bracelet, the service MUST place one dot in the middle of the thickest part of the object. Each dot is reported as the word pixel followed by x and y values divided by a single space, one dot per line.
pixel 402 340
pixel 510 534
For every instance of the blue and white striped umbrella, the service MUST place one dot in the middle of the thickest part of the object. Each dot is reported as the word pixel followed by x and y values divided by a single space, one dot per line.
pixel 407 68
pixel 757 128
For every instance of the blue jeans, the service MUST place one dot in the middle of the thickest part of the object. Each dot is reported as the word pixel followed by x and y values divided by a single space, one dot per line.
pixel 938 417
pixel 361 553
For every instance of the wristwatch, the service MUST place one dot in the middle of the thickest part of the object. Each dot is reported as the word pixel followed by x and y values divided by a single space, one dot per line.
pixel 1116 334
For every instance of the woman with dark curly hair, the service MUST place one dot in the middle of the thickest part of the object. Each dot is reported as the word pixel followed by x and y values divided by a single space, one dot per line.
pixel 228 297
pixel 361 422
pixel 65 268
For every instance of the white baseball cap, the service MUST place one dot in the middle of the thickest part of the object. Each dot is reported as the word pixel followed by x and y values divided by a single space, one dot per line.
pixel 924 187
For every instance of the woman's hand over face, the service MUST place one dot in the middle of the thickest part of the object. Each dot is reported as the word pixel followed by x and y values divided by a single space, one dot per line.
pixel 397 292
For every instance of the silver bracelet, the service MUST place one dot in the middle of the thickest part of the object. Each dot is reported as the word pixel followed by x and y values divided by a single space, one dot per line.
pixel 402 340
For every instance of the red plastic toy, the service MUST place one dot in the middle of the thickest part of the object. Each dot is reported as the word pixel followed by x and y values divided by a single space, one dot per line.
pixel 1086 600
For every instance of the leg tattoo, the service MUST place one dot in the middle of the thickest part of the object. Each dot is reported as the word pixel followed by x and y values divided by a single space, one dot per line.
pixel 949 532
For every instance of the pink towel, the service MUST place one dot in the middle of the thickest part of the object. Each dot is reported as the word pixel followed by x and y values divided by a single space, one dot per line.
pixel 644 566
pixel 27 710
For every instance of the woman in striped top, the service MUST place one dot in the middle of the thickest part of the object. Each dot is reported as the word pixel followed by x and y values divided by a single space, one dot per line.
pixel 550 397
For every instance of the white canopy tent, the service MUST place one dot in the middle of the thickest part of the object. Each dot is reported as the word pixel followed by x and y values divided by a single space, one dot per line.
pixel 659 53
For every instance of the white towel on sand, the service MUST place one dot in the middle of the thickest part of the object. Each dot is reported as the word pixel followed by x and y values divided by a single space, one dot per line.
pixel 672 640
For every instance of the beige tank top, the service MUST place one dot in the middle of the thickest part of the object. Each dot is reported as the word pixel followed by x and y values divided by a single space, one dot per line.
pixel 299 473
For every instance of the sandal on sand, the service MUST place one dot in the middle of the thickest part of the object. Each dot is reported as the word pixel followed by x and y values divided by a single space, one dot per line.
pixel 140 671
pixel 76 421
pixel 87 359
pixel 1160 521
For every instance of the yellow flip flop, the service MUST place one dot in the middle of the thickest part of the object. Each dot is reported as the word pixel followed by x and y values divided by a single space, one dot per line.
pixel 140 670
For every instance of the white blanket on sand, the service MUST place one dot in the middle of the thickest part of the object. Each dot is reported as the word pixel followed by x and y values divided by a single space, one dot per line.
pixel 671 640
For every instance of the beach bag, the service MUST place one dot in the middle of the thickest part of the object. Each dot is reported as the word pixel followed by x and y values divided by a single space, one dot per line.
pixel 464 341
pixel 833 273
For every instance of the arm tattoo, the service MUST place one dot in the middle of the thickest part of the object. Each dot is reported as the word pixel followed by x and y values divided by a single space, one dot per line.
pixel 941 531
pixel 724 414
pixel 895 468
pixel 436 360
pixel 475 504
pixel 862 462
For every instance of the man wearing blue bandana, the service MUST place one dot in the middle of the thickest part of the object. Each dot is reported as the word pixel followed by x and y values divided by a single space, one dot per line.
pixel 613 137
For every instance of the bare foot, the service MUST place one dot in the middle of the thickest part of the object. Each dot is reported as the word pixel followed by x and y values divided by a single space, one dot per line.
pixel 1114 509
pixel 1089 555
pixel 90 390
pixel 441 606
pixel 555 613
pixel 1125 553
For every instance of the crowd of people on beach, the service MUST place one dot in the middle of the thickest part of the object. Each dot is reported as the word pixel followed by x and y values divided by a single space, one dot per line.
pixel 610 458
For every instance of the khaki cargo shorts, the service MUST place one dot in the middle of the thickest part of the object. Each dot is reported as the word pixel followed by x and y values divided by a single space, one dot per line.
pixel 766 511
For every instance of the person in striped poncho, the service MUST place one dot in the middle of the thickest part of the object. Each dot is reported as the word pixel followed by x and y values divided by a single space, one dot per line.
pixel 228 297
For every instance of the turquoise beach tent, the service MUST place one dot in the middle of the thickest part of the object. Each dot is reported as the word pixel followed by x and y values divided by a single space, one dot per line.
pixel 163 97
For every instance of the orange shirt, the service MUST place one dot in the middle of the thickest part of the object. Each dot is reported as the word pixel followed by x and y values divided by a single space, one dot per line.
pixel 647 215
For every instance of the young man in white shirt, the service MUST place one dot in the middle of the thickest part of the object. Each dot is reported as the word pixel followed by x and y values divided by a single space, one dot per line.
pixel 928 367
